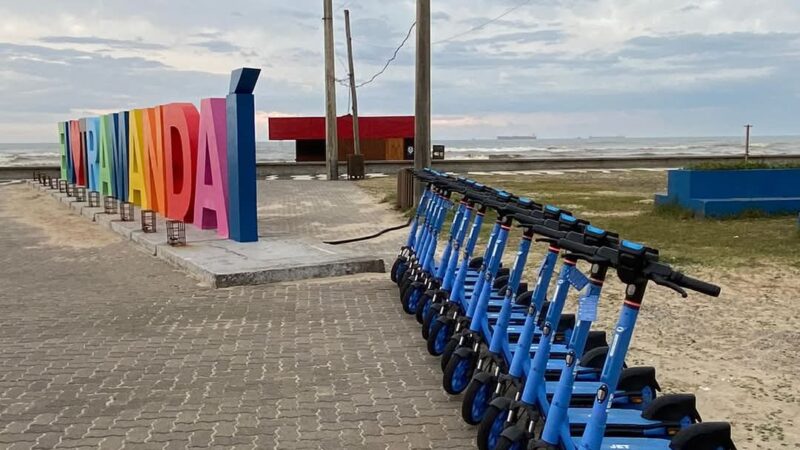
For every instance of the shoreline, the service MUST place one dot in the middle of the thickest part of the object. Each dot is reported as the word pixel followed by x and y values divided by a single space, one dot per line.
pixel 267 169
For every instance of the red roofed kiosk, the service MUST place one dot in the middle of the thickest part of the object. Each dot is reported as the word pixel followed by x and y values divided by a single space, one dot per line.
pixel 382 138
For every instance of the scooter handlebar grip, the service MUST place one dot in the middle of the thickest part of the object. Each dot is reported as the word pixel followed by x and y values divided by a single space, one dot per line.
pixel 696 285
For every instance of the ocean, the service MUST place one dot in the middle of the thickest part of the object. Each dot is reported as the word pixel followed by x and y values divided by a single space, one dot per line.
pixel 22 155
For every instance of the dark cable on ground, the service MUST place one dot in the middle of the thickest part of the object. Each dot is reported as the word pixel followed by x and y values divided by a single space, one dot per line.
pixel 372 236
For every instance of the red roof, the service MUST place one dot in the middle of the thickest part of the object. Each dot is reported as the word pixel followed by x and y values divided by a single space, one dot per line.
pixel 313 128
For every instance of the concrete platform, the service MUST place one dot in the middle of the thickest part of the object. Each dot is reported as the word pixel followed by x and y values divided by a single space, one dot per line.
pixel 288 253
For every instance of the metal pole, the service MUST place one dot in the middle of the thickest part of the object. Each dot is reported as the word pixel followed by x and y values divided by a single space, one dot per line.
pixel 331 138
pixel 356 134
pixel 422 139
pixel 747 144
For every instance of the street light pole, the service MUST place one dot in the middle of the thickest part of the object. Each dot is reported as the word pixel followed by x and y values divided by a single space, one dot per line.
pixel 747 143
pixel 356 134
pixel 331 137
pixel 422 135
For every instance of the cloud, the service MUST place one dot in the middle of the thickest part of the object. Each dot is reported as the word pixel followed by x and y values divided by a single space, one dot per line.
pixel 218 46
pixel 93 40
pixel 677 67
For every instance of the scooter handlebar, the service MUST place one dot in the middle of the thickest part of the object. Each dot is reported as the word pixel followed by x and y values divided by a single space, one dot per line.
pixel 694 284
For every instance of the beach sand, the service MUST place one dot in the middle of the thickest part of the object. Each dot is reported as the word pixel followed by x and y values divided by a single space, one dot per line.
pixel 58 223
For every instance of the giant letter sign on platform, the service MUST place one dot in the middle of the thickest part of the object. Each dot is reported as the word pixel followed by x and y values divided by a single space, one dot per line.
pixel 181 124
pixel 93 153
pixel 137 190
pixel 211 184
pixel 194 166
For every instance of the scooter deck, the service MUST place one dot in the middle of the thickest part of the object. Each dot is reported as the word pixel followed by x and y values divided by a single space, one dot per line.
pixel 625 443
pixel 627 418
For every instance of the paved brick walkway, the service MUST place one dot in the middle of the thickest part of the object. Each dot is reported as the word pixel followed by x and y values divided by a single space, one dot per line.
pixel 329 211
pixel 104 346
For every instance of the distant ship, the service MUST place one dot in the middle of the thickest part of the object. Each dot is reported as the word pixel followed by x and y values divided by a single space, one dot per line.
pixel 516 138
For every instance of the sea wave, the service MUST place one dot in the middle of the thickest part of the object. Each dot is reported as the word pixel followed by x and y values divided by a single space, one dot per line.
pixel 21 155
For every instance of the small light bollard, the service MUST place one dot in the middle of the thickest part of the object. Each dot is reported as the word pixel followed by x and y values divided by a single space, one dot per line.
pixel 80 194
pixel 94 199
pixel 62 186
pixel 70 190
pixel 110 205
pixel 126 211
pixel 148 221
pixel 176 233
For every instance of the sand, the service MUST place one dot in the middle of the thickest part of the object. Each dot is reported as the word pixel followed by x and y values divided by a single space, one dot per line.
pixel 737 353
pixel 59 224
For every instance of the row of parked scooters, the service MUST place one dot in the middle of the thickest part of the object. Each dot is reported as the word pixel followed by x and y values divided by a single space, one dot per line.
pixel 531 375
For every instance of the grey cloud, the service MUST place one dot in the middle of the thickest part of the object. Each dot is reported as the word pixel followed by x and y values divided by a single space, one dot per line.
pixel 218 46
pixel 93 40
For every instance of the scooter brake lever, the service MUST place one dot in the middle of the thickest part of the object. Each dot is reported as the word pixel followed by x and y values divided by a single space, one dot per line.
pixel 666 283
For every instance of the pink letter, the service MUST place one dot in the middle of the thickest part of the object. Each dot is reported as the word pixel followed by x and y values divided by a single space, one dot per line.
pixel 211 182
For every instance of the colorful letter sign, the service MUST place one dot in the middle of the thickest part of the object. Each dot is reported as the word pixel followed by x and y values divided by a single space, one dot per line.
pixel 198 167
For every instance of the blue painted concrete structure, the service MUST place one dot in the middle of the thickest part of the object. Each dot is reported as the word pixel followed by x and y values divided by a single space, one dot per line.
pixel 721 193
pixel 242 202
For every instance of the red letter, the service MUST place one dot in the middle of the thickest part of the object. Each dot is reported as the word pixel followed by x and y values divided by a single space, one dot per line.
pixel 181 124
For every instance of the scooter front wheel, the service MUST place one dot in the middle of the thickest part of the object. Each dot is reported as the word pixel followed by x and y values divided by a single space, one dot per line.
pixel 492 426
pixel 438 338
pixel 507 444
pixel 410 299
pixel 477 398
pixel 449 349
pixel 431 317
pixel 458 373
pixel 422 307
pixel 398 269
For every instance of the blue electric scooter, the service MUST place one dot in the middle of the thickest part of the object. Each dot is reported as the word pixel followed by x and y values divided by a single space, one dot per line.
pixel 571 429
pixel 503 366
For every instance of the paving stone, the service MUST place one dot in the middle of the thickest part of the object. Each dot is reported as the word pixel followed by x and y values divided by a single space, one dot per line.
pixel 106 346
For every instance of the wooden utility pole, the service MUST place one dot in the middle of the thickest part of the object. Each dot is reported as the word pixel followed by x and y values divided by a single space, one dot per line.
pixel 356 134
pixel 331 137
pixel 422 138
pixel 747 143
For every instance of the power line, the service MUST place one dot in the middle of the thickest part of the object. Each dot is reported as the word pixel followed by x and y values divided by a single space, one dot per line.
pixel 484 24
pixel 388 63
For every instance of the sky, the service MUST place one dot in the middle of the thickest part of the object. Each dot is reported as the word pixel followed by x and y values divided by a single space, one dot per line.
pixel 557 68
